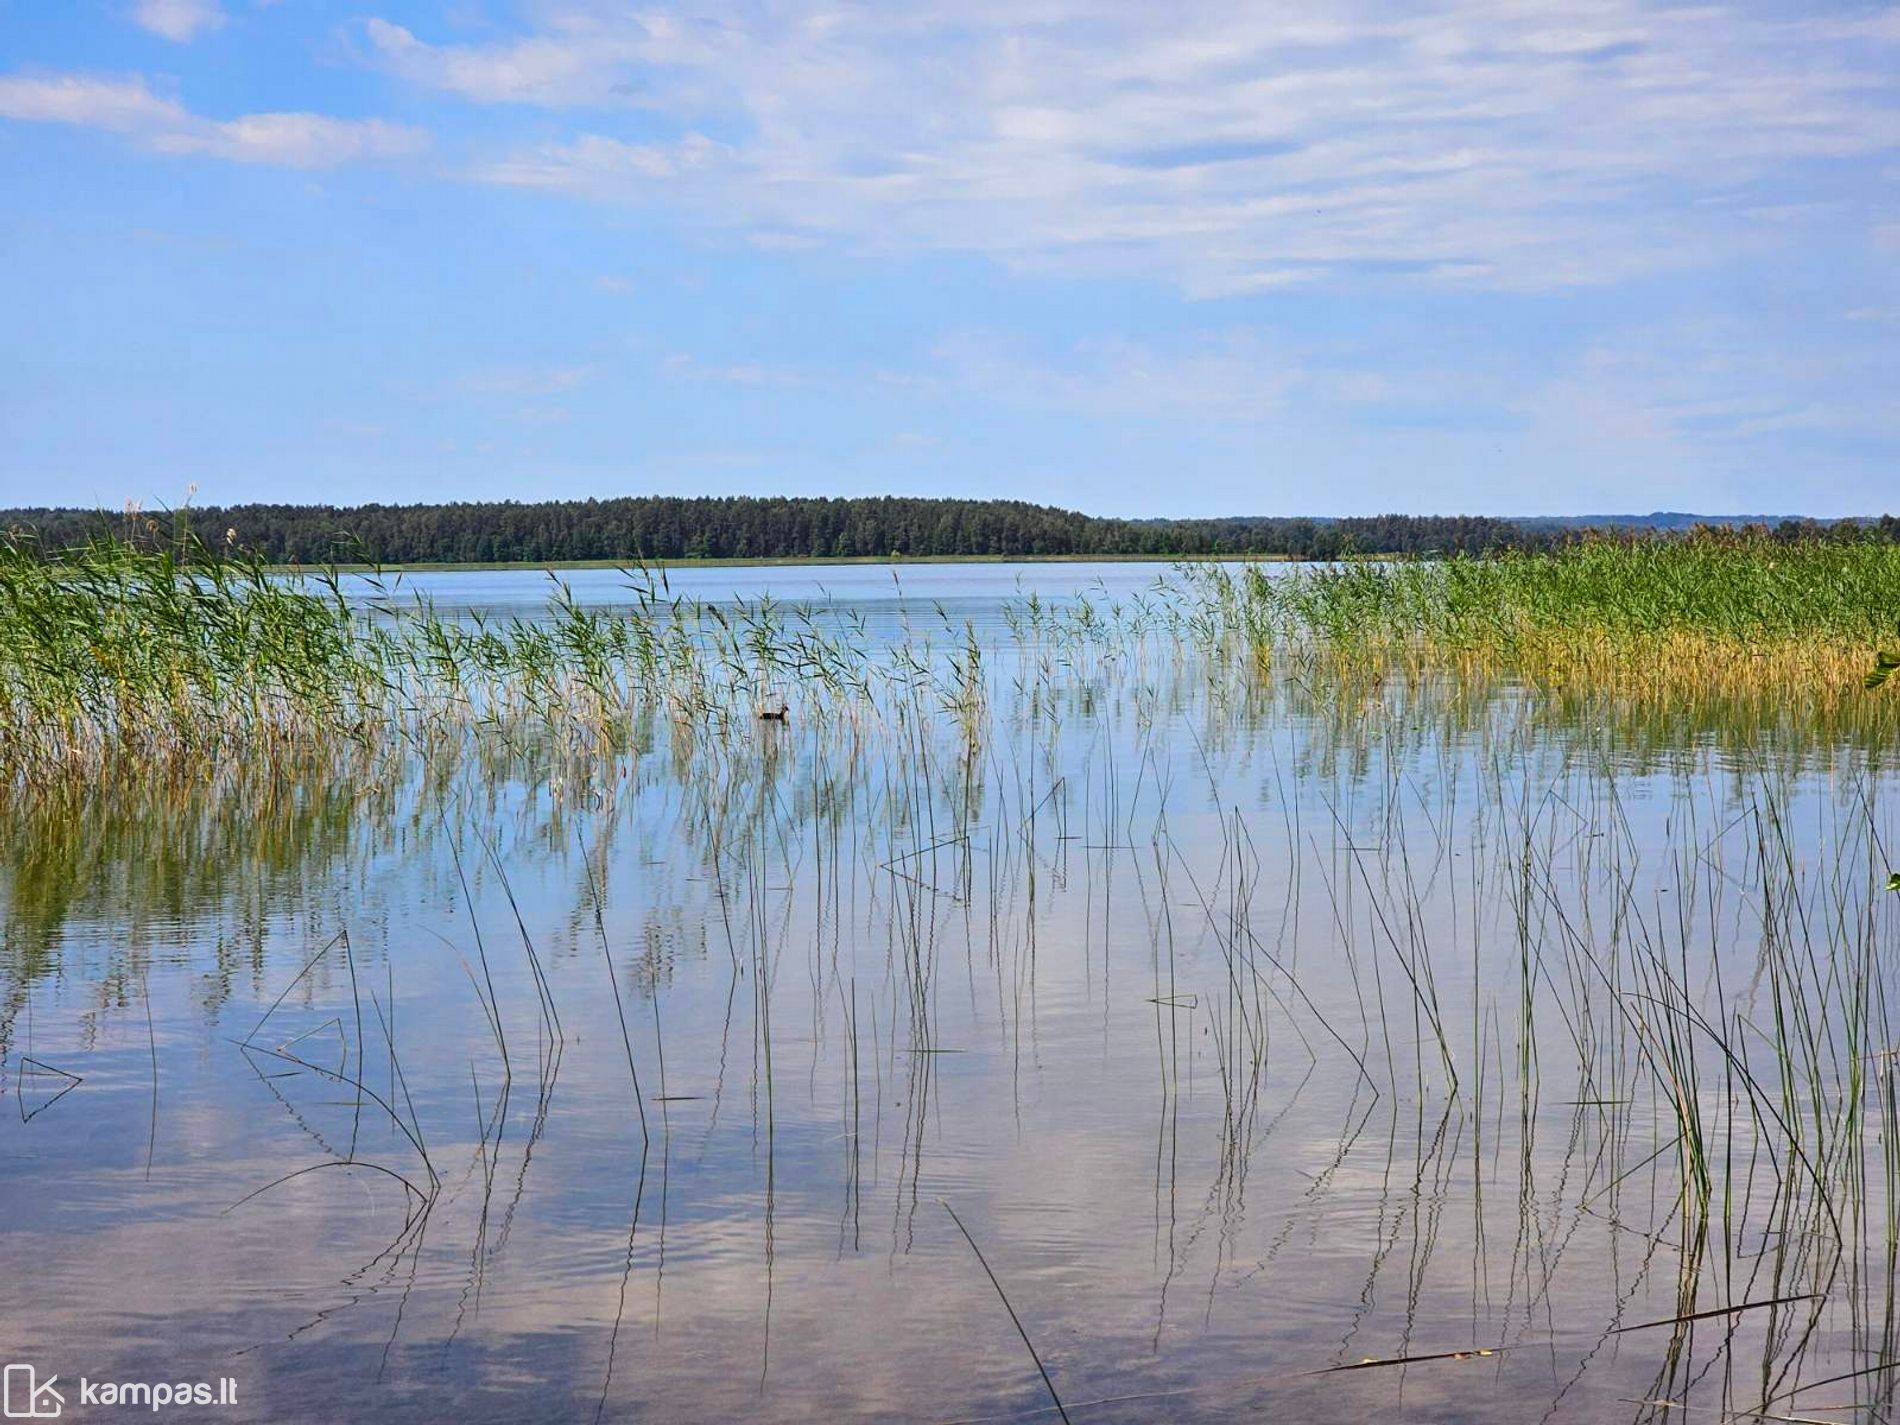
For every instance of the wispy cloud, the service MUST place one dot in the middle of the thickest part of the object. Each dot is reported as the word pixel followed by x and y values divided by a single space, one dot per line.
pixel 526 381
pixel 1226 147
pixel 1718 386
pixel 1234 375
pixel 683 367
pixel 127 106
pixel 625 166
pixel 584 57
pixel 178 20
pixel 120 105
pixel 1231 375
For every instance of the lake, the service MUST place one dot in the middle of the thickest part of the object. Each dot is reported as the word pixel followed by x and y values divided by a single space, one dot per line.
pixel 1091 1014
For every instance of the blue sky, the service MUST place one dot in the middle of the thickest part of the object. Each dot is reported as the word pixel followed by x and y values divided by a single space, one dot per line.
pixel 1251 257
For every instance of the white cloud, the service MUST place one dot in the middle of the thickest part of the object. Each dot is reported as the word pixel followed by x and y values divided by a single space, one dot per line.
pixel 126 105
pixel 519 72
pixel 581 60
pixel 682 367
pixel 120 105
pixel 1232 375
pixel 1710 391
pixel 1225 146
pixel 296 140
pixel 178 20
pixel 1229 375
pixel 527 381
pixel 610 161
pixel 1717 395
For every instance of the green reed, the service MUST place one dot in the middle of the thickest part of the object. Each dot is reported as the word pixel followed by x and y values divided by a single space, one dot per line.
pixel 116 648
pixel 152 653
pixel 155 651
pixel 1710 998
pixel 1721 585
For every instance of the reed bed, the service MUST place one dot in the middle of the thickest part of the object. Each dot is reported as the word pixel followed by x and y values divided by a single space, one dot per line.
pixel 172 653
pixel 1715 615
pixel 113 648
pixel 1320 812
pixel 180 657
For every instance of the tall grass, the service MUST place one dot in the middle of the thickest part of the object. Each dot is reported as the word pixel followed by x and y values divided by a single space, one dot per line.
pixel 1717 614
pixel 155 652
pixel 1719 585
pixel 115 648
pixel 1580 998
pixel 147 654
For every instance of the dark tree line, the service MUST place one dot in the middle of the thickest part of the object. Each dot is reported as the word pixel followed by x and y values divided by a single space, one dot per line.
pixel 744 527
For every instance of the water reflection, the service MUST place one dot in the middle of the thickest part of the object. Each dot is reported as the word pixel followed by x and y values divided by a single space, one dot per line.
pixel 1532 1045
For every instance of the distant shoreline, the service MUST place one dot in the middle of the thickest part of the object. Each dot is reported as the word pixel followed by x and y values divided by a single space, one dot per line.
pixel 501 566
pixel 739 531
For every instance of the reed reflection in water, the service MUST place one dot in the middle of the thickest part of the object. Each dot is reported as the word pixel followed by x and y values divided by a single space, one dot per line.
pixel 1280 1040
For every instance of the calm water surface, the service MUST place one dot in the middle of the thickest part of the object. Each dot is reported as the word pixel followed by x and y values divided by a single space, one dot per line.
pixel 1252 1024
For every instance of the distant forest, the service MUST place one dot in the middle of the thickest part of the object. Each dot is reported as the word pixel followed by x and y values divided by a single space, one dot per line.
pixel 676 528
